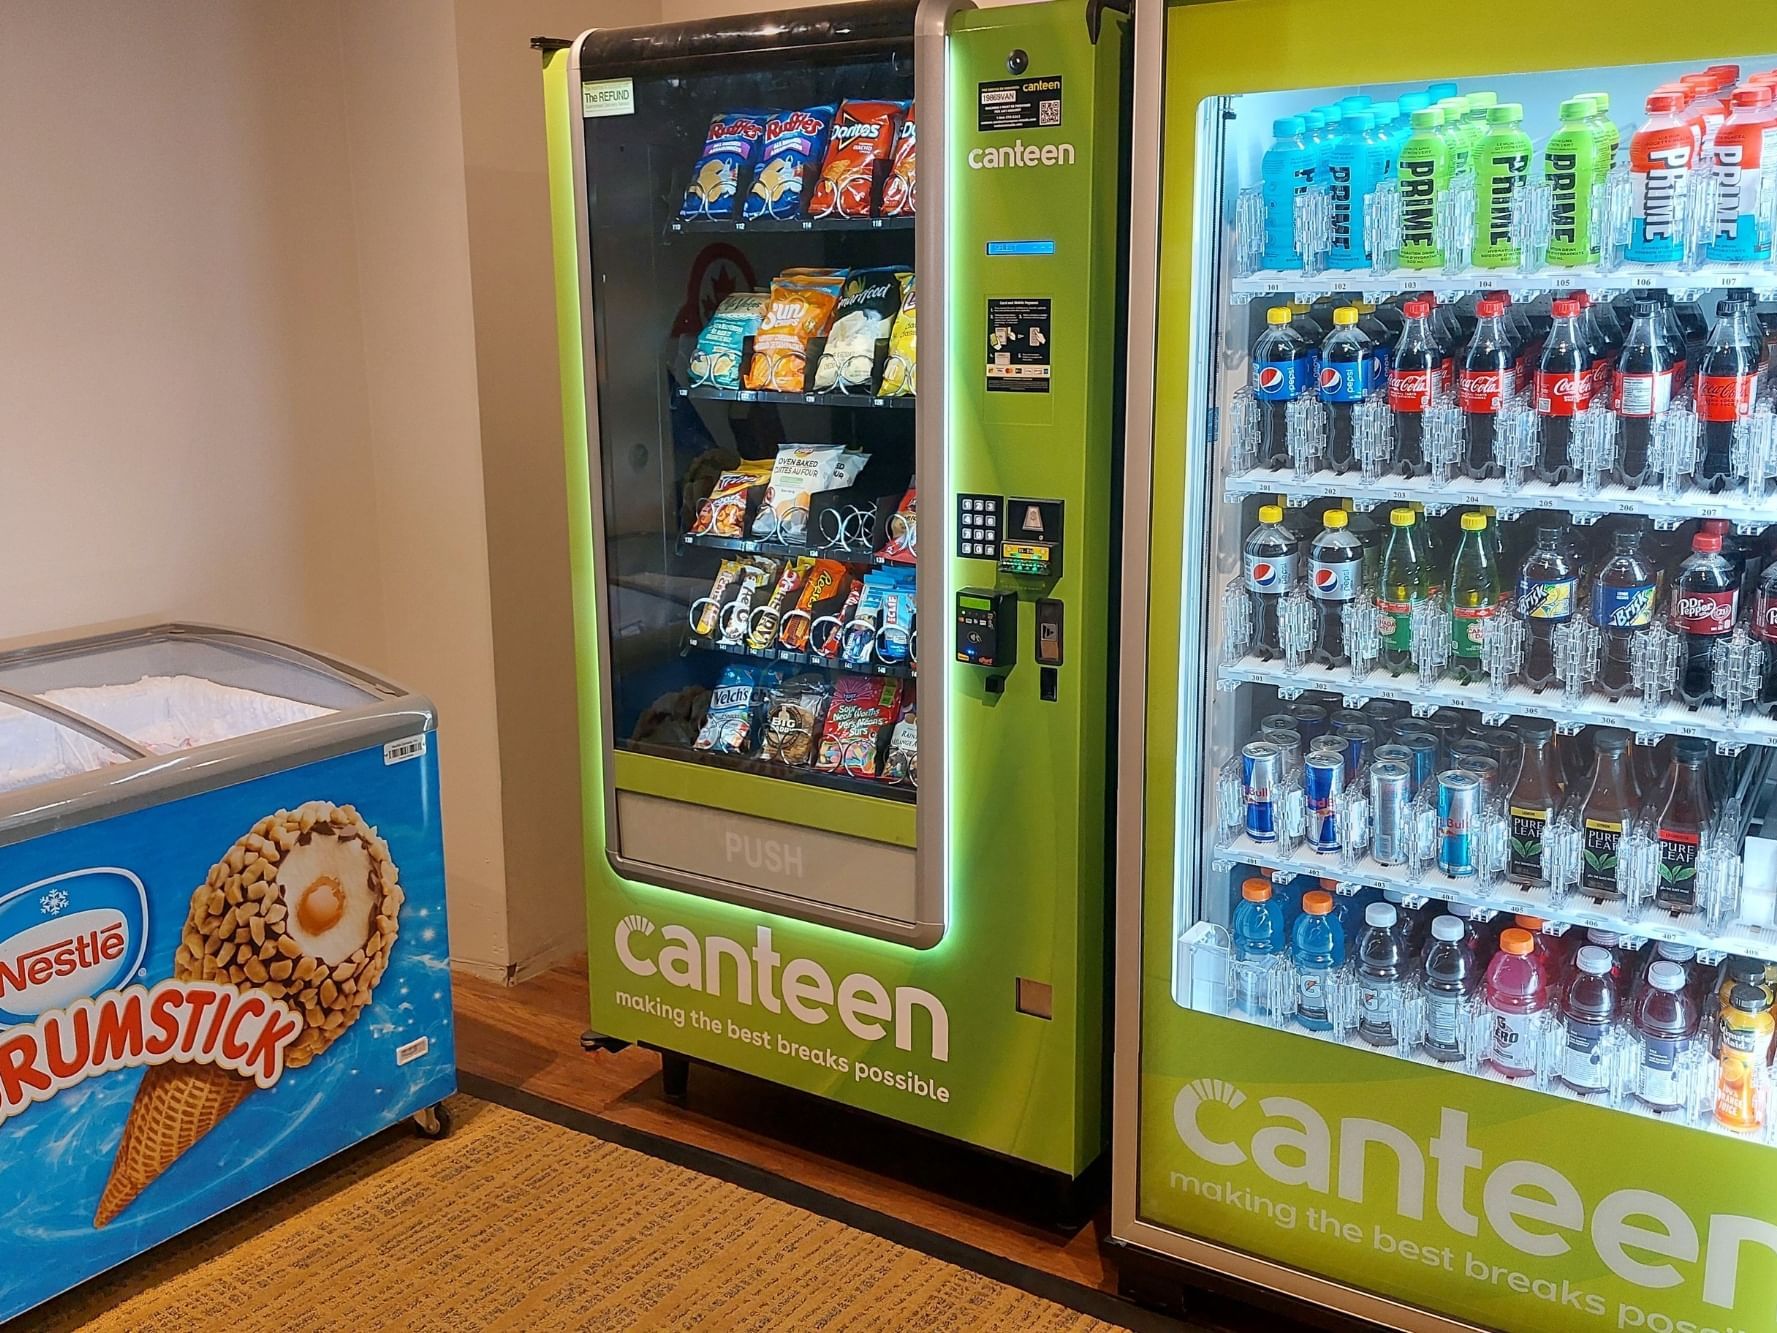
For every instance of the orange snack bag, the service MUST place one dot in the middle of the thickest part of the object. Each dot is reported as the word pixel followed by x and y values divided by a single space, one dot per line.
pixel 898 192
pixel 801 306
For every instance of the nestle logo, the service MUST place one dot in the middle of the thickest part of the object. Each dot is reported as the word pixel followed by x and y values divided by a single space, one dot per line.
pixel 67 938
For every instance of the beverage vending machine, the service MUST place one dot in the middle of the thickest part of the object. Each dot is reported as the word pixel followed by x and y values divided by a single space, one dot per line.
pixel 843 637
pixel 1448 891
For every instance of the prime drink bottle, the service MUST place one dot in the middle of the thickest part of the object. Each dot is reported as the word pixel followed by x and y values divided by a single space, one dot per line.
pixel 1423 172
pixel 1570 168
pixel 1502 161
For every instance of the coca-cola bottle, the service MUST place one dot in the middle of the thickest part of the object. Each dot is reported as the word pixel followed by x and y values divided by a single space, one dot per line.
pixel 1563 389
pixel 1705 600
pixel 1483 384
pixel 1764 628
pixel 1607 342
pixel 1623 592
pixel 1727 381
pixel 1414 374
pixel 1641 390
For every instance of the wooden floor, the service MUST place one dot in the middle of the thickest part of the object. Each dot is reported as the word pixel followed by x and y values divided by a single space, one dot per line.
pixel 528 1037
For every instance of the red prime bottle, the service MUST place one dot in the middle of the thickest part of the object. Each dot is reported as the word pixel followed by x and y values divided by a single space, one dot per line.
pixel 1565 376
pixel 1483 383
pixel 1705 601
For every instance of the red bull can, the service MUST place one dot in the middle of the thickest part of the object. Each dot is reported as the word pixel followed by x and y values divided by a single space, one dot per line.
pixel 1261 775
pixel 1323 783
pixel 1391 811
pixel 1459 812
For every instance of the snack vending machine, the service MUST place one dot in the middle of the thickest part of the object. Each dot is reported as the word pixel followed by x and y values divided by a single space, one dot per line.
pixel 1448 920
pixel 844 771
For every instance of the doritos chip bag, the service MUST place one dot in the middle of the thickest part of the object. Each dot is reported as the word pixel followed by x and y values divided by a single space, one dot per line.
pixel 863 135
pixel 794 144
pixel 897 190
pixel 729 150
pixel 800 309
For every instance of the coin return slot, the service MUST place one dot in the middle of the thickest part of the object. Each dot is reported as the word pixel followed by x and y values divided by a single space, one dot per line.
pixel 1036 998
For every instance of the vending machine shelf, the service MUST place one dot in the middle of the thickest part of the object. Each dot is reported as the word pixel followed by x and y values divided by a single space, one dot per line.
pixel 1751 512
pixel 813 661
pixel 788 550
pixel 732 225
pixel 1669 718
pixel 1747 939
pixel 1587 278
pixel 877 788
pixel 705 392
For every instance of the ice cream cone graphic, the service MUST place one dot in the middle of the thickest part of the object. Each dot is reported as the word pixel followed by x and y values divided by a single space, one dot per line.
pixel 305 908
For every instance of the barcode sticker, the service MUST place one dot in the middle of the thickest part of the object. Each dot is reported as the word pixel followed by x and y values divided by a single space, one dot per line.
pixel 412 747
pixel 413 1050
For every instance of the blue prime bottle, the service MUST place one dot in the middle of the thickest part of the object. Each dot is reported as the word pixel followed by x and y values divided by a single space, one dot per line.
pixel 1439 91
pixel 1393 131
pixel 1354 168
pixel 1288 168
pixel 1259 943
pixel 1317 949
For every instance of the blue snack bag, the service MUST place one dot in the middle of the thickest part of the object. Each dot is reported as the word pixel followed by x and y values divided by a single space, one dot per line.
pixel 731 146
pixel 795 142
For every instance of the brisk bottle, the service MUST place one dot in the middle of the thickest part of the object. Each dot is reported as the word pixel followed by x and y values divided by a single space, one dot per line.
pixel 1548 588
pixel 1623 592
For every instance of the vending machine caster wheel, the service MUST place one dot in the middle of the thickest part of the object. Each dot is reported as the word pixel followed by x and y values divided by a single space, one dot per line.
pixel 433 1123
pixel 675 1076
pixel 591 1041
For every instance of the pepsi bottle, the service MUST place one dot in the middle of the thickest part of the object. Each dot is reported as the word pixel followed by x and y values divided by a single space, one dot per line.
pixel 1416 371
pixel 1283 366
pixel 1641 391
pixel 1271 566
pixel 1563 388
pixel 1483 384
pixel 1347 377
pixel 1335 582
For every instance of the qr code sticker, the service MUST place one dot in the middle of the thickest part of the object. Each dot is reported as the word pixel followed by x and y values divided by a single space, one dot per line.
pixel 1049 111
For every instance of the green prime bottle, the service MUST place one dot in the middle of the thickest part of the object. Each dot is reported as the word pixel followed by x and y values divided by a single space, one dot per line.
pixel 1423 172
pixel 1458 133
pixel 1609 136
pixel 1502 161
pixel 1570 170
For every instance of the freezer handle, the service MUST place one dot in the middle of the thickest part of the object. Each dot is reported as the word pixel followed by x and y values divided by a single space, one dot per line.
pixel 93 731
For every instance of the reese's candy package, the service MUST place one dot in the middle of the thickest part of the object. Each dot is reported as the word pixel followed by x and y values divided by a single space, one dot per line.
pixel 732 724
pixel 863 709
pixel 799 311
pixel 729 149
pixel 795 712
pixel 898 191
pixel 798 472
pixel 707 611
pixel 902 762
pixel 795 142
pixel 770 614
pixel 724 512
pixel 902 546
pixel 716 361
pixel 865 313
pixel 823 591
pixel 863 135
pixel 903 354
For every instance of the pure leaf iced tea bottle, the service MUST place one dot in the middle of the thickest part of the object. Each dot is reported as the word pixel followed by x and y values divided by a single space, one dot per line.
pixel 1533 803
pixel 1608 809
pixel 1679 827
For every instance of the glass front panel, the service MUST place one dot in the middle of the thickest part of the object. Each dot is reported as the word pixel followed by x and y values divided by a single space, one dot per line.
pixel 752 251
pixel 1484 745
pixel 36 749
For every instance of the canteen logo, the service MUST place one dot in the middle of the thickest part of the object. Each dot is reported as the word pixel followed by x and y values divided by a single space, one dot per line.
pixel 69 937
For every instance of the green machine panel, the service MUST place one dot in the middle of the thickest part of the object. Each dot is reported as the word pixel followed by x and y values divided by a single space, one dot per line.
pixel 976 1007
